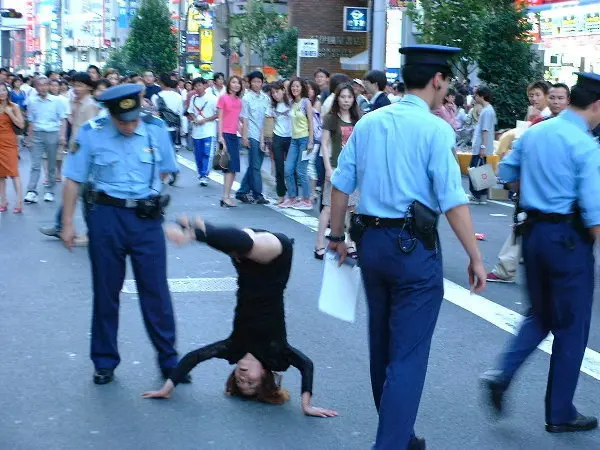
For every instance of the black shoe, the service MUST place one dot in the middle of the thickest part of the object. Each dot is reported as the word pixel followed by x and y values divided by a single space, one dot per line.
pixel 261 201
pixel 104 376
pixel 580 423
pixel 416 443
pixel 166 373
pixel 495 385
pixel 244 198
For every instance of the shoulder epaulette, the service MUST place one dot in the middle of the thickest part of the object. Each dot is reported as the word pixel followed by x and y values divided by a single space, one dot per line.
pixel 153 120
pixel 96 123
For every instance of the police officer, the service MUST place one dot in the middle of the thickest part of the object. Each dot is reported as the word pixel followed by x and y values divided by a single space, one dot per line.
pixel 557 163
pixel 400 158
pixel 124 156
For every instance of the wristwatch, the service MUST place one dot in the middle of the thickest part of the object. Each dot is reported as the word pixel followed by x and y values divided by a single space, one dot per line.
pixel 336 238
pixel 483 147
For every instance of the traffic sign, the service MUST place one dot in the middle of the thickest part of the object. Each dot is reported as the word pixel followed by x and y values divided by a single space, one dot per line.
pixel 308 48
pixel 356 20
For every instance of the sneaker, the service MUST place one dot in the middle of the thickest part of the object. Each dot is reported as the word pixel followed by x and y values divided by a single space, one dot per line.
pixel 244 198
pixel 304 205
pixel 262 201
pixel 50 231
pixel 49 197
pixel 287 203
pixel 493 278
pixel 203 181
pixel 31 197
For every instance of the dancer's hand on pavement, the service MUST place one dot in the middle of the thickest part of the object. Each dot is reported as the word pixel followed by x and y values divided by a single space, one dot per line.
pixel 156 394
pixel 178 235
pixel 319 412
pixel 477 276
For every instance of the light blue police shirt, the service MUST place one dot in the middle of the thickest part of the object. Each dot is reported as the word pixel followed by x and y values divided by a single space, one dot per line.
pixel 558 164
pixel 398 154
pixel 121 166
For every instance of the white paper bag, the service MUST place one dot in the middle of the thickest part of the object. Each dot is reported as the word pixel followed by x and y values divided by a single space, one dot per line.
pixel 340 288
pixel 482 177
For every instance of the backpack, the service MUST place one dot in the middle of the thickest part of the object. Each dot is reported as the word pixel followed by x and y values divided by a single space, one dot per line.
pixel 172 119
pixel 317 122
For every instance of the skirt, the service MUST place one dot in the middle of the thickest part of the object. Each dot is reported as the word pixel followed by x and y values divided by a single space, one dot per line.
pixel 352 200
pixel 232 141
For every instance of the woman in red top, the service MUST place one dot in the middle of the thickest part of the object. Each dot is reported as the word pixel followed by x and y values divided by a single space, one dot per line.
pixel 229 107
pixel 10 116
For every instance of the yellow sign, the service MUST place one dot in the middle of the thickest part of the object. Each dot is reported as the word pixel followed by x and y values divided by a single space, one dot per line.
pixel 193 21
pixel 206 46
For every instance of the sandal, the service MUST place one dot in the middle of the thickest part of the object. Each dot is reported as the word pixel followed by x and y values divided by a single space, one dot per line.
pixel 18 210
pixel 352 254
pixel 4 207
pixel 318 254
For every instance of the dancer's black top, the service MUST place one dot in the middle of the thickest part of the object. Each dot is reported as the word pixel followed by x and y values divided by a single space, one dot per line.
pixel 259 321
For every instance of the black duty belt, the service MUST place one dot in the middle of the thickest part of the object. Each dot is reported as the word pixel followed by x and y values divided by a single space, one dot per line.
pixel 538 216
pixel 103 199
pixel 378 222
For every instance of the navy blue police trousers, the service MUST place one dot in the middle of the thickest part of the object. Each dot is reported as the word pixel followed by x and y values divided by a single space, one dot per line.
pixel 113 234
pixel 404 294
pixel 559 265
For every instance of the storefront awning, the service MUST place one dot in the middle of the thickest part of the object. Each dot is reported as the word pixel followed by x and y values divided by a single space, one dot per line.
pixel 356 62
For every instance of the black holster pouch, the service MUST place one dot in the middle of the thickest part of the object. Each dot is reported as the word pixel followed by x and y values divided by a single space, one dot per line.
pixel 357 228
pixel 153 207
pixel 425 221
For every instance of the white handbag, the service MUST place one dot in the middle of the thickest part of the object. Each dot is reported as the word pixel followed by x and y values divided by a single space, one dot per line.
pixel 482 176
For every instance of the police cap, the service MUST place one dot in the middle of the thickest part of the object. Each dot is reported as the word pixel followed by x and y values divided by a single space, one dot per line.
pixel 123 101
pixel 428 55
pixel 589 81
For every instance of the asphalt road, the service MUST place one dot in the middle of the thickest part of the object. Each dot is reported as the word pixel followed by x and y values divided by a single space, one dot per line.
pixel 48 400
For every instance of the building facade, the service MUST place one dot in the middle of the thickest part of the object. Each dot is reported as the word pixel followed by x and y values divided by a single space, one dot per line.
pixel 324 20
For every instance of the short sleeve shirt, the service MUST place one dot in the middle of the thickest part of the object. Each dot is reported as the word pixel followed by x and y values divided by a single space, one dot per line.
pixel 340 132
pixel 232 108
pixel 203 107
pixel 487 122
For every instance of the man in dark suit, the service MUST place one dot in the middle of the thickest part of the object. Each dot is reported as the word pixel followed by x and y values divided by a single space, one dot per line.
pixel 375 83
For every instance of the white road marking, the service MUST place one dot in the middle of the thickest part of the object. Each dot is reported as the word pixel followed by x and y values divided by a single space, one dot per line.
pixel 509 205
pixel 498 315
pixel 182 285
pixel 498 215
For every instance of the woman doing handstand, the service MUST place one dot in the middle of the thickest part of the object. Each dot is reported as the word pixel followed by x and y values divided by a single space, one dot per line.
pixel 258 343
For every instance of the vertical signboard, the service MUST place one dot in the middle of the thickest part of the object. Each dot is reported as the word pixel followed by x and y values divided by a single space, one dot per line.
pixel 29 42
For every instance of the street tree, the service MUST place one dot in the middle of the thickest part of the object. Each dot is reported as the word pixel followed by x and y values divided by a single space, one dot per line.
pixel 455 23
pixel 259 26
pixel 508 63
pixel 283 53
pixel 152 44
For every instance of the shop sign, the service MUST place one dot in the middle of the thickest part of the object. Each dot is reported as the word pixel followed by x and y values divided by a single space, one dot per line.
pixel 356 20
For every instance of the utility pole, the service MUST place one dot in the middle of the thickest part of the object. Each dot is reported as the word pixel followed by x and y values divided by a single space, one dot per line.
pixel 378 34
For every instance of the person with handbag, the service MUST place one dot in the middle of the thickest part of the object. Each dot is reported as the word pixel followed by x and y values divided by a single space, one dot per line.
pixel 11 123
pixel 483 139
pixel 258 344
pixel 227 158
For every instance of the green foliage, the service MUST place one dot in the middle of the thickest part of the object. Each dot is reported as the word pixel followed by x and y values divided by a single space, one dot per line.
pixel 283 54
pixel 258 26
pixel 456 23
pixel 508 36
pixel 119 60
pixel 151 44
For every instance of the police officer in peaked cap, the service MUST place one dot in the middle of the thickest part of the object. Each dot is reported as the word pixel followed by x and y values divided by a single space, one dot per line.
pixel 557 167
pixel 400 158
pixel 123 157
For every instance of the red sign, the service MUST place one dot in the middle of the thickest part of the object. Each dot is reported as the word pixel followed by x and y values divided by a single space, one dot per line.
pixel 29 42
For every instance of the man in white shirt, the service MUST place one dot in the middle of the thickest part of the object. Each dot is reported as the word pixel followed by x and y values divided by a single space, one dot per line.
pixel 169 104
pixel 47 128
pixel 218 87
pixel 202 113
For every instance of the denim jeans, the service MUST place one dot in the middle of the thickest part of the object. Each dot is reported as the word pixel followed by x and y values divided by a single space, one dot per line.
pixel 295 165
pixel 281 145
pixel 252 181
